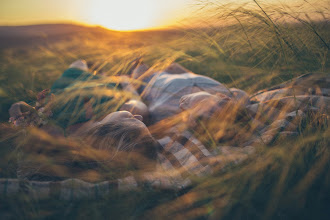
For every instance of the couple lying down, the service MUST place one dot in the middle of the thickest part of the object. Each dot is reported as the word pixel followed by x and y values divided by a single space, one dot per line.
pixel 168 101
pixel 183 112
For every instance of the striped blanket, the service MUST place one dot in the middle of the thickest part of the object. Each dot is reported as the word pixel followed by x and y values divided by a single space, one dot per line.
pixel 181 159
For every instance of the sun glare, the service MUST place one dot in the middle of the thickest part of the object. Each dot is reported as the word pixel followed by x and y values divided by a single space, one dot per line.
pixel 124 15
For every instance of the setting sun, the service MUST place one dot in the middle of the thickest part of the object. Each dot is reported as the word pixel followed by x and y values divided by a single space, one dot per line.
pixel 125 15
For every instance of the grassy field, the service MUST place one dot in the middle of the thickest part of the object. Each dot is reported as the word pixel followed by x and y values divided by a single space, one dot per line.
pixel 261 45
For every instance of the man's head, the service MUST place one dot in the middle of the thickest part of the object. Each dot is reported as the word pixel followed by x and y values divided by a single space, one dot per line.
pixel 123 132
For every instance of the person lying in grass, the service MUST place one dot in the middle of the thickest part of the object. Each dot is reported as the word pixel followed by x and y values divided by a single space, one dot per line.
pixel 86 105
pixel 176 97
pixel 77 97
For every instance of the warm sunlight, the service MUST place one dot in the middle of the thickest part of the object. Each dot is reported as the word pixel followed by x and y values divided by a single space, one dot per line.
pixel 124 14
pixel 112 14
pixel 165 109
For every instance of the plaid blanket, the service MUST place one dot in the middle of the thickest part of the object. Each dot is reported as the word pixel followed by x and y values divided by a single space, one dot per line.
pixel 181 158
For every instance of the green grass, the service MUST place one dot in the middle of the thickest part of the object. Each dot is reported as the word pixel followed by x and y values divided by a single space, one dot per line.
pixel 262 45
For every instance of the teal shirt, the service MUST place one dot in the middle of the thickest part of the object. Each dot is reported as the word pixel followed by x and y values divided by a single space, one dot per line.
pixel 69 77
pixel 71 112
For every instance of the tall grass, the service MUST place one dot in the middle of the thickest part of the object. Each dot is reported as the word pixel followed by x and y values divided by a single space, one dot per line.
pixel 251 46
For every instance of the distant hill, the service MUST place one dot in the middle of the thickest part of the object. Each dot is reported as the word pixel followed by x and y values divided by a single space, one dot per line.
pixel 17 36
pixel 11 36
pixel 46 29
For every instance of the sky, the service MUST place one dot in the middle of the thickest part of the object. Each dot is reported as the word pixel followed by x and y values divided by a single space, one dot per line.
pixel 113 14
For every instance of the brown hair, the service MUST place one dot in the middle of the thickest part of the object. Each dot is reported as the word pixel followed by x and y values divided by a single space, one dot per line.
pixel 122 136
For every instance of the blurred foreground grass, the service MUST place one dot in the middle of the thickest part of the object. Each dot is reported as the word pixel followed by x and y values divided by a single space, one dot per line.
pixel 261 45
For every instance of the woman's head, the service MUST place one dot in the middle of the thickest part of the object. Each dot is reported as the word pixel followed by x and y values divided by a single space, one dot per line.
pixel 123 132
